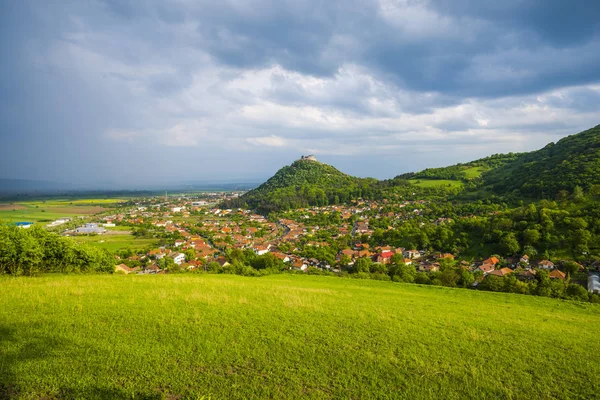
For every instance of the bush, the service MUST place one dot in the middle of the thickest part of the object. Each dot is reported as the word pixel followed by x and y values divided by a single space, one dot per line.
pixel 35 250
pixel 577 292
pixel 422 278
pixel 380 277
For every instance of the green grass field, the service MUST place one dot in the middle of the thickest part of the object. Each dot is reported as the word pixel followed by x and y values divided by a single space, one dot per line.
pixel 288 336
pixel 436 183
pixel 474 172
pixel 117 242
pixel 44 211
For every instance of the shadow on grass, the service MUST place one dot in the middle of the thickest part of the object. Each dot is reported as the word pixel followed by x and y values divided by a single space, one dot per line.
pixel 15 350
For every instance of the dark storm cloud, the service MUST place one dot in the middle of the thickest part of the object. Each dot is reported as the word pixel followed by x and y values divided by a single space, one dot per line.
pixel 102 89
pixel 557 22
pixel 510 47
pixel 483 48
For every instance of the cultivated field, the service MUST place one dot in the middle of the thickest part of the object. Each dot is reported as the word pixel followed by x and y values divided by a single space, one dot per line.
pixel 45 211
pixel 287 336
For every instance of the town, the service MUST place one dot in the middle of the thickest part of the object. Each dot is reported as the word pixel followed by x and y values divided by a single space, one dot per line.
pixel 196 235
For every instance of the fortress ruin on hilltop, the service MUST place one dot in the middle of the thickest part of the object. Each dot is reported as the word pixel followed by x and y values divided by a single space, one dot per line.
pixel 308 158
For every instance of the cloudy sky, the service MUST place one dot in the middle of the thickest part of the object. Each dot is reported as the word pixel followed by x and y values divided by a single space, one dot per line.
pixel 133 92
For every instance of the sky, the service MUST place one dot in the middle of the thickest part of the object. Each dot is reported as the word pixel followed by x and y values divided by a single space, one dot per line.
pixel 137 92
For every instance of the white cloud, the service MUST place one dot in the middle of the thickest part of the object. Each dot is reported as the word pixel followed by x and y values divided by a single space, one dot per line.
pixel 269 141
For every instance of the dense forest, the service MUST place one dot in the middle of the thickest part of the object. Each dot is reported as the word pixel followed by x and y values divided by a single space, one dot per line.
pixel 306 183
pixel 562 166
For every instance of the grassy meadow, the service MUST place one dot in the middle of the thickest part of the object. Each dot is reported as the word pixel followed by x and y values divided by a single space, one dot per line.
pixel 288 336
pixel 45 211
pixel 474 172
pixel 114 242
pixel 427 183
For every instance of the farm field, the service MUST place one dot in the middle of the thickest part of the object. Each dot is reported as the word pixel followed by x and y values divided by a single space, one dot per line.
pixel 45 211
pixel 436 183
pixel 288 336
pixel 117 241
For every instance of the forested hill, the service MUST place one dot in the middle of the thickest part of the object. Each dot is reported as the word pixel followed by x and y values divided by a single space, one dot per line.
pixel 303 183
pixel 465 172
pixel 572 162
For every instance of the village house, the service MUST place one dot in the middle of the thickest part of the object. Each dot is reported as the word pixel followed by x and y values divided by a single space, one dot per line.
pixel 429 267
pixel 441 256
pixel 262 249
pixel 486 268
pixel 412 254
pixel 157 253
pixel 594 283
pixel 501 272
pixel 299 265
pixel 557 274
pixel 122 268
pixel 527 275
pixel 178 258
pixel 222 261
pixel 546 264
pixel 491 261
pixel 283 257
pixel 152 269
pixel 385 257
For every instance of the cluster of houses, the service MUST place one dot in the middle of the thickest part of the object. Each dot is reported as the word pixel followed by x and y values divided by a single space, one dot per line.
pixel 523 268
pixel 207 236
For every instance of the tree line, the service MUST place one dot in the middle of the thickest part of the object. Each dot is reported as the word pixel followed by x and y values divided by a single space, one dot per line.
pixel 36 250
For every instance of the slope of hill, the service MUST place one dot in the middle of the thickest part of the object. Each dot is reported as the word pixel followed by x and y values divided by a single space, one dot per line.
pixel 288 337
pixel 306 182
pixel 572 161
pixel 463 172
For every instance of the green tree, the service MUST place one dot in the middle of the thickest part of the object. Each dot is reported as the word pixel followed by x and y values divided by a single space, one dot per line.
pixel 363 264
pixel 190 254
pixel 402 273
pixel 578 194
pixel 531 236
pixel 466 278
pixel 577 292
pixel 509 243
pixel 449 277
pixel 571 267
pixel 345 260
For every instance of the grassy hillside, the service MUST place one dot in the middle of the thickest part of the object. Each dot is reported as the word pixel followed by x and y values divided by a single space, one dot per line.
pixel 427 183
pixel 467 172
pixel 306 183
pixel 290 337
pixel 572 161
